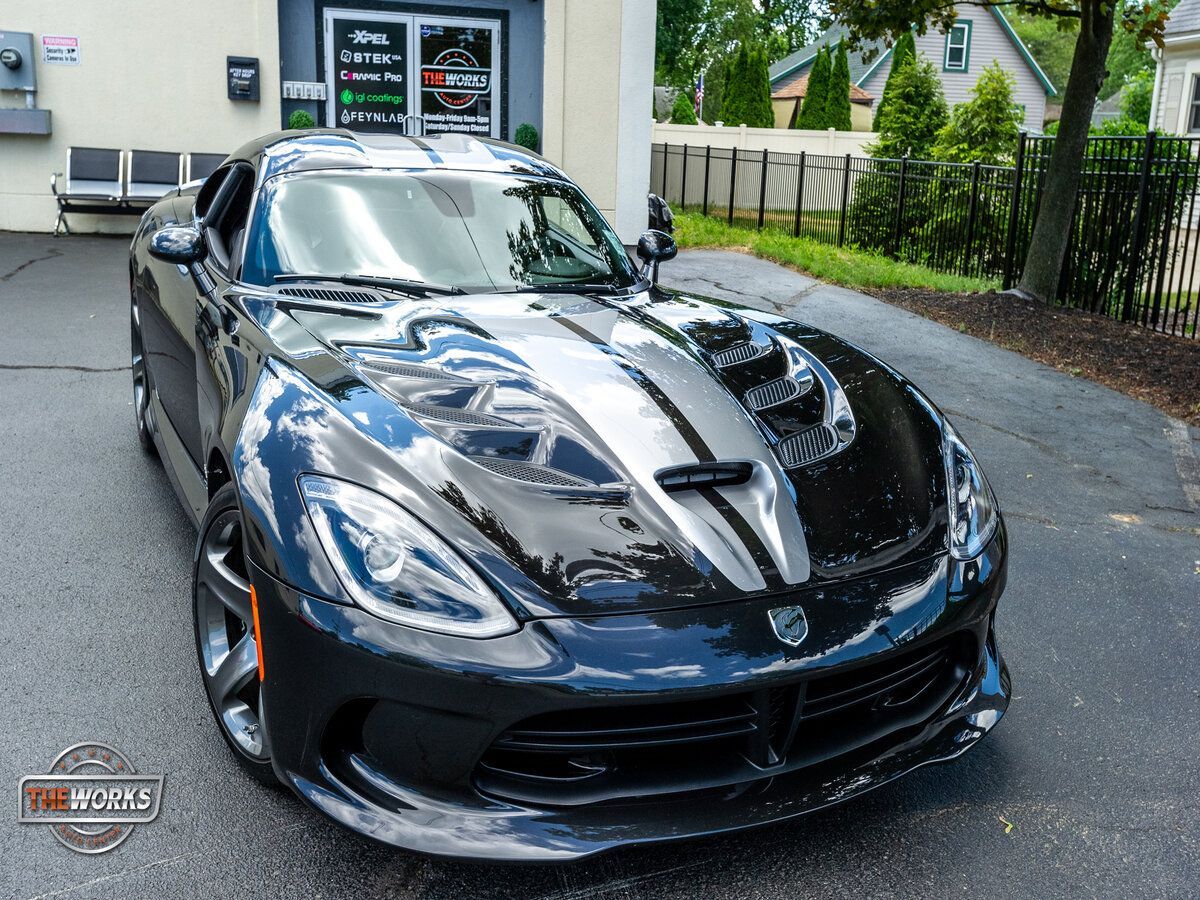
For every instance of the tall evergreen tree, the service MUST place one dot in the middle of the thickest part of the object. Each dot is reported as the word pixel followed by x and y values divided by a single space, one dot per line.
pixel 837 106
pixel 747 98
pixel 904 48
pixel 816 98
pixel 758 89
pixel 915 114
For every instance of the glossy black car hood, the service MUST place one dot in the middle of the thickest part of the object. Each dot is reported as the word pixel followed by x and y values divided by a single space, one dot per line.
pixel 532 431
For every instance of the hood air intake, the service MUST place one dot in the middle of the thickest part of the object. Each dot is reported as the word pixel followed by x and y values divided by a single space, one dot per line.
pixel 738 353
pixel 703 475
pixel 807 446
pixel 330 295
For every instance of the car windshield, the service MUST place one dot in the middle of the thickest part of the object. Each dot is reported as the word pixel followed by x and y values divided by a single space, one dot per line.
pixel 481 232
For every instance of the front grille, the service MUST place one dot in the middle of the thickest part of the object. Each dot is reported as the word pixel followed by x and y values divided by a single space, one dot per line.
pixel 331 295
pixel 807 446
pixel 535 474
pixel 640 752
pixel 738 353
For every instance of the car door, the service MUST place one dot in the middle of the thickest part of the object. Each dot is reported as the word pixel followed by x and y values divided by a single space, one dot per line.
pixel 168 304
pixel 221 367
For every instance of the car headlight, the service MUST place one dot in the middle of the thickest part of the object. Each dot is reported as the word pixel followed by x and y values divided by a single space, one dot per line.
pixel 973 513
pixel 395 567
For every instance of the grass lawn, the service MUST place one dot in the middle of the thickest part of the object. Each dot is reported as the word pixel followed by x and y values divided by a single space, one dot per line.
pixel 840 265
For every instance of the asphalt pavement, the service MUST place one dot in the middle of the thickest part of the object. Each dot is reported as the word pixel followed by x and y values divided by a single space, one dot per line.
pixel 1089 787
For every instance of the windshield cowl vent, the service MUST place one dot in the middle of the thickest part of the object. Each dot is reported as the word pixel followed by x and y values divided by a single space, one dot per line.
pixel 330 295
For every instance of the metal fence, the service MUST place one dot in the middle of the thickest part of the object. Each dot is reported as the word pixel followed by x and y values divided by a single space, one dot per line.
pixel 1135 238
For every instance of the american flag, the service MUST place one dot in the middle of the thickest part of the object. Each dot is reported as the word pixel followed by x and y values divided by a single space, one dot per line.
pixel 700 95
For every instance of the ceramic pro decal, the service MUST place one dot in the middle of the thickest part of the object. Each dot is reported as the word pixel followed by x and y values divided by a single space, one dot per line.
pixel 370 59
pixel 457 78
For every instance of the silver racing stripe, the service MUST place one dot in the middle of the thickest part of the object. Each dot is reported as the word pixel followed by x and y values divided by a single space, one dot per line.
pixel 629 412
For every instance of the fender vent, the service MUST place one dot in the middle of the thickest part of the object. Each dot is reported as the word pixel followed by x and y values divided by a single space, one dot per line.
pixel 457 416
pixel 807 446
pixel 330 295
pixel 781 390
pixel 534 474
pixel 738 353
pixel 410 371
pixel 703 475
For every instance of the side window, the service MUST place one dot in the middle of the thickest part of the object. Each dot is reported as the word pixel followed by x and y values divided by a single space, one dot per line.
pixel 225 219
pixel 958 47
pixel 208 192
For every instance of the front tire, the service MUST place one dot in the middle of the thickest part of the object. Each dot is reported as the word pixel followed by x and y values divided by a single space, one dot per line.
pixel 225 641
pixel 141 382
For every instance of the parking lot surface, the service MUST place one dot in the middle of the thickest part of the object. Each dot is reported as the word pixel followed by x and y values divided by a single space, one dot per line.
pixel 1089 787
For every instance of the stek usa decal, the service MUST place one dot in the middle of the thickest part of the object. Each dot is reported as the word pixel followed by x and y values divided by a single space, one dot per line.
pixel 91 798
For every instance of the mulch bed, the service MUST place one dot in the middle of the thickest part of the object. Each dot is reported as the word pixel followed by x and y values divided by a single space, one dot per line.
pixel 1160 370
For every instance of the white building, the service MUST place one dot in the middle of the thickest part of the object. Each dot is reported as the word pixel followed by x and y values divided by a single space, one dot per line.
pixel 1176 104
pixel 204 78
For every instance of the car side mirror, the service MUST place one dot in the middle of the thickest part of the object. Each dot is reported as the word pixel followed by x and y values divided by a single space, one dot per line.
pixel 181 245
pixel 655 247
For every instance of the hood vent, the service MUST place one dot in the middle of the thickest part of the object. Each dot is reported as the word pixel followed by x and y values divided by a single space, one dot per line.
pixel 808 446
pixel 738 353
pixel 330 295
pixel 703 475
pixel 406 371
pixel 773 393
pixel 458 416
pixel 534 474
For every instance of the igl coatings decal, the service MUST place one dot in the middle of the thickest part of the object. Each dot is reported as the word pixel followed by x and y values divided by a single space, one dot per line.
pixel 371 75
pixel 91 798
pixel 456 78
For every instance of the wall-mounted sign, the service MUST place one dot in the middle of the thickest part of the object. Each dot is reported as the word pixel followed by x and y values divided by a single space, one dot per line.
pixel 60 50
pixel 412 74
pixel 456 74
pixel 370 73
pixel 241 77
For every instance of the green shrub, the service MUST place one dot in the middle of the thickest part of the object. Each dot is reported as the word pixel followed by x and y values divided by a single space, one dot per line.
pixel 526 136
pixel 684 110
pixel 985 128
pixel 301 119
pixel 915 113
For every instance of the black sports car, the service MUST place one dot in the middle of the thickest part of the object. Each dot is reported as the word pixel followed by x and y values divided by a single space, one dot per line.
pixel 507 552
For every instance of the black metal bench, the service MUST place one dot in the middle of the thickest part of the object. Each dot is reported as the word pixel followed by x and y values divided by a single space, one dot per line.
pixel 114 182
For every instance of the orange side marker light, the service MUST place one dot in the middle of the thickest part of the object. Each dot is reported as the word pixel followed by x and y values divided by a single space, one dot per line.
pixel 257 632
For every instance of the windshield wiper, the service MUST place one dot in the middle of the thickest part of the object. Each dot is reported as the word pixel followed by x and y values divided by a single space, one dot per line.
pixel 568 287
pixel 404 285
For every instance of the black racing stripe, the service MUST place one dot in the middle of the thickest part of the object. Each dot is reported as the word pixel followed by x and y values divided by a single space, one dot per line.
pixel 685 428
pixel 433 155
pixel 743 529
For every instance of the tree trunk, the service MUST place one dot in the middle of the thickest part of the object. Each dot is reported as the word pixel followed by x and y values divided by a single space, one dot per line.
pixel 1052 231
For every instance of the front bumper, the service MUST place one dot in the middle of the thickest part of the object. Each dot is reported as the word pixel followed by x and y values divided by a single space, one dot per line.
pixel 383 728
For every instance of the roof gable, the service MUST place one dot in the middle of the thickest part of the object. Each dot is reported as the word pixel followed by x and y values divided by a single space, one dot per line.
pixel 861 70
pixel 1185 18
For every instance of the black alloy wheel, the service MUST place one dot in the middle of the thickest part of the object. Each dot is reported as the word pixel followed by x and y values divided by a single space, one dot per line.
pixel 225 643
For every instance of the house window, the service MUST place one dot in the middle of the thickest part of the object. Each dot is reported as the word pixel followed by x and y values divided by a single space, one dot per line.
pixel 958 47
pixel 1194 117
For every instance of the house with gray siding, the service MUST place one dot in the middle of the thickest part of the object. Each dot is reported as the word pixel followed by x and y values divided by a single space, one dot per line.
pixel 979 36
pixel 1176 105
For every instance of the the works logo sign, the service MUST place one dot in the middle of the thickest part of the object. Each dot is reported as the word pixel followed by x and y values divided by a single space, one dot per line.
pixel 91 798
pixel 456 78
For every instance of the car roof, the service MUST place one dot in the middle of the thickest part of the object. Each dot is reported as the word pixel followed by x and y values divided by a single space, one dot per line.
pixel 337 148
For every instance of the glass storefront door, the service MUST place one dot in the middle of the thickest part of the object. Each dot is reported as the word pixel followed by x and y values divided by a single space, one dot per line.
pixel 412 74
